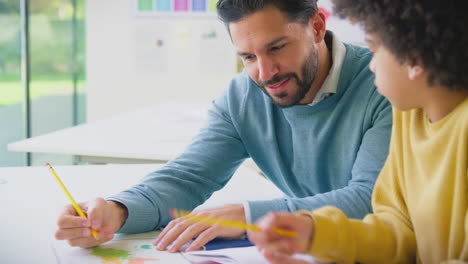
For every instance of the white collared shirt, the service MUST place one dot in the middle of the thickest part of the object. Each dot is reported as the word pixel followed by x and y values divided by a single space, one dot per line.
pixel 330 85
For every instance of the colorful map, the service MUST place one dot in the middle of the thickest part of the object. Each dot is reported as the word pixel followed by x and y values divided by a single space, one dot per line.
pixel 124 251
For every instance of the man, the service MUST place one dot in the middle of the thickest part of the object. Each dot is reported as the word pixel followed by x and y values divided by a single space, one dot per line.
pixel 305 110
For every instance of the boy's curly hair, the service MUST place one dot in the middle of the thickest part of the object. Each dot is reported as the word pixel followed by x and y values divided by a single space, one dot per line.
pixel 432 32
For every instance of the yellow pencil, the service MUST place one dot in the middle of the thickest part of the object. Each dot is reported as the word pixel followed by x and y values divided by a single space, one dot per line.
pixel 75 205
pixel 228 223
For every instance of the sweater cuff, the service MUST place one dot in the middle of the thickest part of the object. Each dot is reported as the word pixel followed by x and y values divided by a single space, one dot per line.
pixel 258 209
pixel 322 243
pixel 138 215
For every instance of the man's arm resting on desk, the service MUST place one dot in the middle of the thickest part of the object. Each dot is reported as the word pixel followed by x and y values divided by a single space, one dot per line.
pixel 106 217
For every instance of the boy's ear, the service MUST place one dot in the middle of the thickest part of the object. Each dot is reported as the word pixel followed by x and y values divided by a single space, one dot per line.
pixel 415 71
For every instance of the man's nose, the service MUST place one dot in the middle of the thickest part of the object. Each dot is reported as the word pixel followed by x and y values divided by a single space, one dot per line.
pixel 267 68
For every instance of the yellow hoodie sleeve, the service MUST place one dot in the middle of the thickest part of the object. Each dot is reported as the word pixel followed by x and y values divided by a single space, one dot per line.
pixel 383 237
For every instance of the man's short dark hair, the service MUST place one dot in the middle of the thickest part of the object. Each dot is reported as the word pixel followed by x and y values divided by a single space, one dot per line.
pixel 432 32
pixel 300 11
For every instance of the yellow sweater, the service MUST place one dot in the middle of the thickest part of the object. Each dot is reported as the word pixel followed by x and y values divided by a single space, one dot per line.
pixel 420 199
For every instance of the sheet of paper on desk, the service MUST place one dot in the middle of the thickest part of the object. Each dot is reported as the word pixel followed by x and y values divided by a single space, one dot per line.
pixel 138 249
pixel 122 250
pixel 242 255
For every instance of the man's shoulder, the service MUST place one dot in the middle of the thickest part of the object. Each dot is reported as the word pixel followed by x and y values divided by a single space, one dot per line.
pixel 355 69
pixel 355 51
pixel 357 57
pixel 242 87
pixel 241 92
pixel 241 80
pixel 357 77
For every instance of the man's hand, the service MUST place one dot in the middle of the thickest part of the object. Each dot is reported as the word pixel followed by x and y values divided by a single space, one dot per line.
pixel 277 248
pixel 181 230
pixel 106 217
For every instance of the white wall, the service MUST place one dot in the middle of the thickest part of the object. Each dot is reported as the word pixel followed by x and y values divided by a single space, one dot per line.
pixel 126 69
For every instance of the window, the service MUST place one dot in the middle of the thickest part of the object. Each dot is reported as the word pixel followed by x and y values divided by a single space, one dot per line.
pixel 51 95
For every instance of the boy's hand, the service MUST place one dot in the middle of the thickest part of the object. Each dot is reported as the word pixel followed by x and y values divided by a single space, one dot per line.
pixel 276 247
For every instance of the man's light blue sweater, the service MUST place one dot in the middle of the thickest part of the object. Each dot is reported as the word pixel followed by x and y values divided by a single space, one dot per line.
pixel 329 153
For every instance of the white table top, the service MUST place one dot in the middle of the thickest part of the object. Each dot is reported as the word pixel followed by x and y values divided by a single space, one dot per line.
pixel 30 201
pixel 158 132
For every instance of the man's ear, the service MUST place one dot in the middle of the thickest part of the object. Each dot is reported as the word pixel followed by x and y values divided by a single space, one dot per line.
pixel 319 25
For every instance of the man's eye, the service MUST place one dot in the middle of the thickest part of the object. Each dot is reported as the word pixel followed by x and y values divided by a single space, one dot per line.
pixel 248 57
pixel 276 48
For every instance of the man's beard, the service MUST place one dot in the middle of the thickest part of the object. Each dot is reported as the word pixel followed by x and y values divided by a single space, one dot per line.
pixel 309 71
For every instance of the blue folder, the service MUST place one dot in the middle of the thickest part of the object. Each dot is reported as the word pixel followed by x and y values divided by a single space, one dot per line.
pixel 219 243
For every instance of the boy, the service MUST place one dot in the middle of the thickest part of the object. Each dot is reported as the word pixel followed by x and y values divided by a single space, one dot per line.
pixel 420 200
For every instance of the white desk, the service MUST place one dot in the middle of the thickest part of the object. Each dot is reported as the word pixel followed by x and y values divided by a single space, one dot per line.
pixel 30 201
pixel 153 134
pixel 147 135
